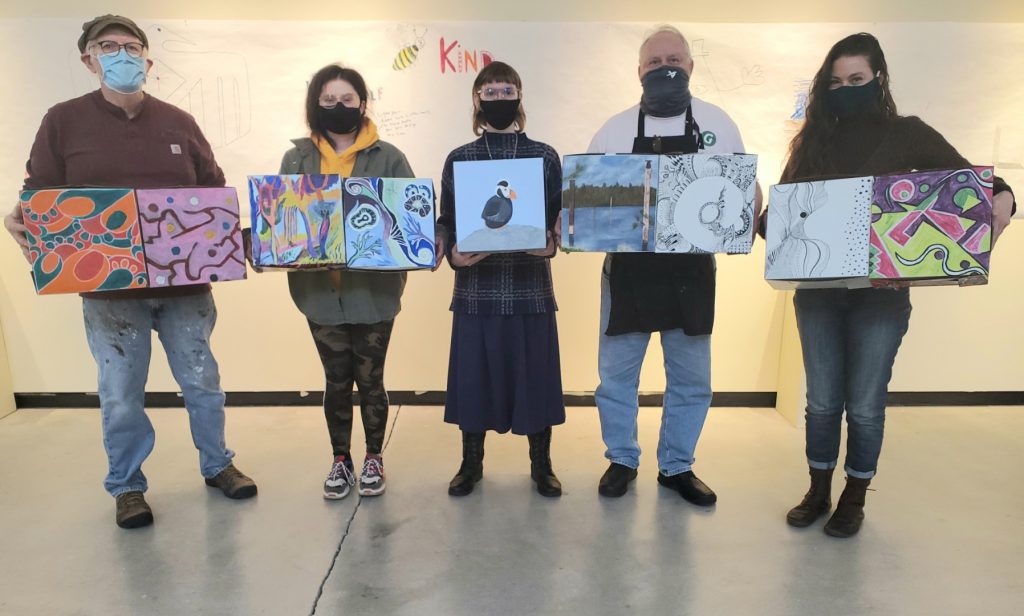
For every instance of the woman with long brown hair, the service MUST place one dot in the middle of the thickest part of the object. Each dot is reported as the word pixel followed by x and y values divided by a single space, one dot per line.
pixel 850 337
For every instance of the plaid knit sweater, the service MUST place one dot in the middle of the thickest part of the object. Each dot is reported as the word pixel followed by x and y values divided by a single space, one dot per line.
pixel 503 283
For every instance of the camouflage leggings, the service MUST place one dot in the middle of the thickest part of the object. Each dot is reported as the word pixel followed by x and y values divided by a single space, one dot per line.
pixel 354 353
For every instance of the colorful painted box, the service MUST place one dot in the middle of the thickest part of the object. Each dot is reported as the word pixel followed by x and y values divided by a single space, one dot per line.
pixel 706 203
pixel 297 220
pixel 389 223
pixel 500 205
pixel 934 225
pixel 678 203
pixel 609 202
pixel 924 228
pixel 84 239
pixel 191 235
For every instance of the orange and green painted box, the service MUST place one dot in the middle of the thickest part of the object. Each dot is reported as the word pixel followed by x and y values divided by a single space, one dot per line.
pixel 84 239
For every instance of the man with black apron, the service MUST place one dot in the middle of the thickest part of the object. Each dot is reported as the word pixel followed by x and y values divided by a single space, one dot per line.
pixel 672 294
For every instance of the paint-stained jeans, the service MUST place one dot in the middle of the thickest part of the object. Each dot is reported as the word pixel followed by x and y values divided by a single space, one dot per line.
pixel 354 353
pixel 118 331
pixel 849 340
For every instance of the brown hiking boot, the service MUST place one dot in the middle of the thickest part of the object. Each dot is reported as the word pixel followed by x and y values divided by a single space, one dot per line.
pixel 132 510
pixel 233 483
pixel 816 502
pixel 849 514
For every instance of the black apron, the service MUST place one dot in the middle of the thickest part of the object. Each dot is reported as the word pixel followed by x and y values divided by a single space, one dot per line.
pixel 657 292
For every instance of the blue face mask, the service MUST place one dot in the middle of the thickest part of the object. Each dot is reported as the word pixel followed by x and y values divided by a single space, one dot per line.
pixel 123 73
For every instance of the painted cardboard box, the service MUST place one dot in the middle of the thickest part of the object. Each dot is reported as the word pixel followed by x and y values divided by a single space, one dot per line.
pixel 389 223
pixel 609 202
pixel 297 220
pixel 191 235
pixel 932 226
pixel 84 239
pixel 500 205
pixel 924 228
pixel 706 203
pixel 680 203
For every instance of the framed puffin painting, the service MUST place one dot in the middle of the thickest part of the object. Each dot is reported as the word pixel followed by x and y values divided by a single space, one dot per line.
pixel 500 205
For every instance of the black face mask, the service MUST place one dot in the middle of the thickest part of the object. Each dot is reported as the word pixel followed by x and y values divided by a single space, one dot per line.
pixel 666 92
pixel 500 114
pixel 849 101
pixel 340 119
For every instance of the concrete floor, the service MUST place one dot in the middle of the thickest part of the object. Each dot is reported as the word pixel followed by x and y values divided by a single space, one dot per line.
pixel 943 533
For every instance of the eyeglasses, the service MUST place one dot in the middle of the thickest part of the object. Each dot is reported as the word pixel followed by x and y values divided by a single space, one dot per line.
pixel 111 47
pixel 330 102
pixel 506 93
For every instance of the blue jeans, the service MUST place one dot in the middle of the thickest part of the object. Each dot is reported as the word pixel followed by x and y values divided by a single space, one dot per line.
pixel 849 340
pixel 118 331
pixel 687 393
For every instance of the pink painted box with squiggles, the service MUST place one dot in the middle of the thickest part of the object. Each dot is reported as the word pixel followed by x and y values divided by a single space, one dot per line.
pixel 191 235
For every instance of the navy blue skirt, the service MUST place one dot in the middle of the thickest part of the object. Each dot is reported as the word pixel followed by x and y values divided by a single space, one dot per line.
pixel 504 373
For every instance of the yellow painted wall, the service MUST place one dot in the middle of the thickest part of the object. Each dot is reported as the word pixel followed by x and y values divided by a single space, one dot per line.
pixel 46 341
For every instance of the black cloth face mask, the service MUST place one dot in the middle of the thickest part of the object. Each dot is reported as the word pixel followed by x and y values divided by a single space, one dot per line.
pixel 500 114
pixel 849 101
pixel 666 92
pixel 340 119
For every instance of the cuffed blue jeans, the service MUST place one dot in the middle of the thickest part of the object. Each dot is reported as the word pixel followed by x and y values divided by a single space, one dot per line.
pixel 118 331
pixel 849 340
pixel 687 393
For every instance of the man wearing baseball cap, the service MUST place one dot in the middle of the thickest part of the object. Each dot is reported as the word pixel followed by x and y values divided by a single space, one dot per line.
pixel 119 136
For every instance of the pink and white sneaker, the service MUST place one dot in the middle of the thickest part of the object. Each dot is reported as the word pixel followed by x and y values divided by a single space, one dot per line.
pixel 371 480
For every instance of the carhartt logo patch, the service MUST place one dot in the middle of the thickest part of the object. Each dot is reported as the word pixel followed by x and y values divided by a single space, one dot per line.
pixel 175 148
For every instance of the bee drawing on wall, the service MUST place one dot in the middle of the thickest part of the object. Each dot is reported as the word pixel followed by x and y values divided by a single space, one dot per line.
pixel 406 56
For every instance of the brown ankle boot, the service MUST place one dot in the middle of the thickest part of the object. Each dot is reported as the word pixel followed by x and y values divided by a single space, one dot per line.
pixel 816 502
pixel 845 522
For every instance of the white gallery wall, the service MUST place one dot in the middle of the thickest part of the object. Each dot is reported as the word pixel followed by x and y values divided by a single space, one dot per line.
pixel 245 82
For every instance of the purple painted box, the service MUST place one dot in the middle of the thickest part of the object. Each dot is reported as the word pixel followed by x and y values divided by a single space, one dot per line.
pixel 191 235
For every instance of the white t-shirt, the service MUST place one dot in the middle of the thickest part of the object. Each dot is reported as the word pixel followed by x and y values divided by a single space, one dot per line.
pixel 717 130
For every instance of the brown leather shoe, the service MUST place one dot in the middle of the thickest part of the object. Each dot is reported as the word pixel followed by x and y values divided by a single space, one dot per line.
pixel 233 483
pixel 132 510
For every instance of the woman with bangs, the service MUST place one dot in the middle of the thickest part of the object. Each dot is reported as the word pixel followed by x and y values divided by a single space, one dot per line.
pixel 504 371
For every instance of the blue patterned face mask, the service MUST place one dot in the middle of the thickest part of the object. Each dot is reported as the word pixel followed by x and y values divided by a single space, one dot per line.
pixel 123 73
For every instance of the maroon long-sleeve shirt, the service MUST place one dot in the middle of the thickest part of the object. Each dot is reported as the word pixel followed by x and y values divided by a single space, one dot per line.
pixel 88 141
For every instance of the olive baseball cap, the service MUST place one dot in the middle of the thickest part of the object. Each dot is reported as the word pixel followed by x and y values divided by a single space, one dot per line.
pixel 92 29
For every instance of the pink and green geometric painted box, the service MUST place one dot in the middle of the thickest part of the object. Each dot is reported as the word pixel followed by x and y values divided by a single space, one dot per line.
pixel 921 228
pixel 932 225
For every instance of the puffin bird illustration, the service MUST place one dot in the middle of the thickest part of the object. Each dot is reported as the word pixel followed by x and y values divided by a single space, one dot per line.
pixel 498 209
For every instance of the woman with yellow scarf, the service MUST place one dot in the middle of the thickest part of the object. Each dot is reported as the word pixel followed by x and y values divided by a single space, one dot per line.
pixel 350 314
